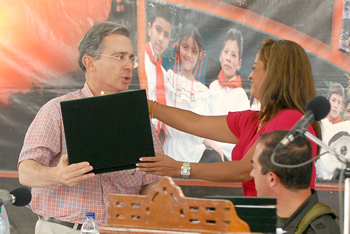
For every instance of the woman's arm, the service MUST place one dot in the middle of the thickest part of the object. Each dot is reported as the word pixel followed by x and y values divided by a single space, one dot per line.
pixel 210 127
pixel 229 171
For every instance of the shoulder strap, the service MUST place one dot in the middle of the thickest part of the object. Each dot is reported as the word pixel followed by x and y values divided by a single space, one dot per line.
pixel 316 211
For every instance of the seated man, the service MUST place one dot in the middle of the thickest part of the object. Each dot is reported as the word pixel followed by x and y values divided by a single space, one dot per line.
pixel 63 193
pixel 298 209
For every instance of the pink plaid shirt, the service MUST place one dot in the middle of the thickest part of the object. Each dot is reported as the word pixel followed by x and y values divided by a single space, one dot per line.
pixel 45 142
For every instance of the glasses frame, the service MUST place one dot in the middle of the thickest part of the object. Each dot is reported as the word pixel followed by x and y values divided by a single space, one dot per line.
pixel 134 60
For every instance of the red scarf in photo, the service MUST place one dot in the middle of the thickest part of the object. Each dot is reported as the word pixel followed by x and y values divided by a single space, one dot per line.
pixel 334 121
pixel 235 83
pixel 160 88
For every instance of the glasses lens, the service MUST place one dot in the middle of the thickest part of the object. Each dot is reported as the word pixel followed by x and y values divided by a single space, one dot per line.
pixel 135 61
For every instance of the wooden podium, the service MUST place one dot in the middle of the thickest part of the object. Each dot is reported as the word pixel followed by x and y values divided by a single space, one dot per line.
pixel 167 210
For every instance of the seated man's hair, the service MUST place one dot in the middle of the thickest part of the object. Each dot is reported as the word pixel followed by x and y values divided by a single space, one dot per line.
pixel 296 152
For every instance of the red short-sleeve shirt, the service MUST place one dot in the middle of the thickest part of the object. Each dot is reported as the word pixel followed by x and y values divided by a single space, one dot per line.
pixel 244 126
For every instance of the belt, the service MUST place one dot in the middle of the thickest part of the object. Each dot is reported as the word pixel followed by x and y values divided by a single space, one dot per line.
pixel 74 226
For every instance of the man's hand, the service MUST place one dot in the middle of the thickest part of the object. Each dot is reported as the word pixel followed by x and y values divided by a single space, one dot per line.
pixel 36 175
pixel 72 174
pixel 146 189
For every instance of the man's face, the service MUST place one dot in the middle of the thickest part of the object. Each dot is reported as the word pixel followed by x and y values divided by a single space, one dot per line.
pixel 160 35
pixel 261 181
pixel 347 112
pixel 336 101
pixel 112 75
pixel 229 58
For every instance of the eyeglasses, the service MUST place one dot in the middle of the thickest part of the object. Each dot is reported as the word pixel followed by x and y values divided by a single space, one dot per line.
pixel 134 60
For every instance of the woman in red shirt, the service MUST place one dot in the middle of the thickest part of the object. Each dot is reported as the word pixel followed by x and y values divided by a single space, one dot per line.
pixel 283 83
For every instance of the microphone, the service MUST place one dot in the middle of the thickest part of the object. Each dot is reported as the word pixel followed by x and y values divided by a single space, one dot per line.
pixel 17 197
pixel 316 109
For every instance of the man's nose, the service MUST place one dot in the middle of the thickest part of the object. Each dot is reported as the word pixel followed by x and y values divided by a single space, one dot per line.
pixel 129 65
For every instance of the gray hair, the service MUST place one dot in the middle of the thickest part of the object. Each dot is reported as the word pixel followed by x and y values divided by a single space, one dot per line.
pixel 91 42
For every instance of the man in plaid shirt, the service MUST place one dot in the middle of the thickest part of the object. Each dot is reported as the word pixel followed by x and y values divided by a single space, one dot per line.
pixel 63 193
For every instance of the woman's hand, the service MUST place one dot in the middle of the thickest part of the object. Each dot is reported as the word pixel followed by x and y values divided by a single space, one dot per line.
pixel 150 104
pixel 162 165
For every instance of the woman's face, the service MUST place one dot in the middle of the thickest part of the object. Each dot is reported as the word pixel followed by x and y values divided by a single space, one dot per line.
pixel 189 52
pixel 257 76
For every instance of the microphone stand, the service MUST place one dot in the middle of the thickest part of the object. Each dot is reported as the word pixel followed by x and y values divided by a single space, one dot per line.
pixel 346 219
pixel 347 197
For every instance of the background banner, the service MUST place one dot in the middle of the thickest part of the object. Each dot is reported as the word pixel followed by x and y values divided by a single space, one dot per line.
pixel 38 48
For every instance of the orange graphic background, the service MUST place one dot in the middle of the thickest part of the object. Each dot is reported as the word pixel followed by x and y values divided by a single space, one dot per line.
pixel 36 38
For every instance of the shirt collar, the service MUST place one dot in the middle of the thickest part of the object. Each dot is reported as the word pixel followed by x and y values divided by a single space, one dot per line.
pixel 87 91
pixel 297 216
pixel 154 56
pixel 233 78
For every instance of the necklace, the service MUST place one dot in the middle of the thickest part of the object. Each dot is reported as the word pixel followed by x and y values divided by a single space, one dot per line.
pixel 261 123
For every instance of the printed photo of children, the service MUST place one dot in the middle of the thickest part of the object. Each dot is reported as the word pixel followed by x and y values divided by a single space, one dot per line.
pixel 227 93
pixel 185 92
pixel 159 30
pixel 336 95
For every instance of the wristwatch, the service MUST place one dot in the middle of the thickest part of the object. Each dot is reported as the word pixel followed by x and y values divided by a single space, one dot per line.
pixel 186 170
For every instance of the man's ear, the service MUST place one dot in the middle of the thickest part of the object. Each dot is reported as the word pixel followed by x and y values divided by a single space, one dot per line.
pixel 88 62
pixel 273 179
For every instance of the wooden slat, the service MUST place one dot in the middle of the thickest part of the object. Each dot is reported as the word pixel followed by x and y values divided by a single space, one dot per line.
pixel 167 209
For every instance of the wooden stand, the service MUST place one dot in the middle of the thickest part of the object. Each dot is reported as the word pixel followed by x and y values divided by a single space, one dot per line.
pixel 167 210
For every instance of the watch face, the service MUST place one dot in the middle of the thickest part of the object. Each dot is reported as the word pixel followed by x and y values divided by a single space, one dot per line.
pixel 186 170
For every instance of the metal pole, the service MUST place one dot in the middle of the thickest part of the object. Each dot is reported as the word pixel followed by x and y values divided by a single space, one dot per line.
pixel 346 222
pixel 322 144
